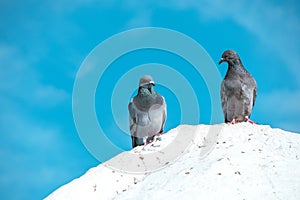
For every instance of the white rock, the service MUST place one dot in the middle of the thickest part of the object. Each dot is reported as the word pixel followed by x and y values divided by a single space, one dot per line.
pixel 242 161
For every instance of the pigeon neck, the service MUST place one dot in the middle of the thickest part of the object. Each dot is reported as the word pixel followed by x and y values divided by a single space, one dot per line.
pixel 236 65
pixel 145 92
pixel 144 100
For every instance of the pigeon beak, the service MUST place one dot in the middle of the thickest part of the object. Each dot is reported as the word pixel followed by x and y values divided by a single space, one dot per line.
pixel 222 60
pixel 152 83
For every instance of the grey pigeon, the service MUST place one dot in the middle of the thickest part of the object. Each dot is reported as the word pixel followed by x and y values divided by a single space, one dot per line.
pixel 238 90
pixel 147 113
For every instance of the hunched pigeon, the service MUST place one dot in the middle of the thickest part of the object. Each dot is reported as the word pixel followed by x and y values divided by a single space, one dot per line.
pixel 147 113
pixel 238 90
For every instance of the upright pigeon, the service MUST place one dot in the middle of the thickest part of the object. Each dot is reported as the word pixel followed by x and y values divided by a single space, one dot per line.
pixel 238 90
pixel 147 113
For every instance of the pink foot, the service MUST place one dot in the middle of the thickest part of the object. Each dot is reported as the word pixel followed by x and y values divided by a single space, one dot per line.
pixel 232 122
pixel 145 144
pixel 250 121
pixel 155 138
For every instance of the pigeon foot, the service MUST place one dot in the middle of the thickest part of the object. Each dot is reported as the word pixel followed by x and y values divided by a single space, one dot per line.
pixel 233 122
pixel 156 137
pixel 250 121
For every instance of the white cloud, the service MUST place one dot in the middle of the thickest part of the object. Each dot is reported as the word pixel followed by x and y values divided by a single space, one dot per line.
pixel 18 80
pixel 280 108
pixel 23 132
pixel 49 95
pixel 275 25
pixel 141 19
pixel 26 140
pixel 277 28
pixel 30 150
pixel 142 13
pixel 284 101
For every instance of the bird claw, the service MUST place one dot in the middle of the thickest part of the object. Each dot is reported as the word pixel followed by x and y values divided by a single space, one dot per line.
pixel 232 122
pixel 236 122
pixel 250 121
pixel 155 138
pixel 145 144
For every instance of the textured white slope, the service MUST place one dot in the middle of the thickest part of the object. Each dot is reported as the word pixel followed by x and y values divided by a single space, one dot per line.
pixel 240 161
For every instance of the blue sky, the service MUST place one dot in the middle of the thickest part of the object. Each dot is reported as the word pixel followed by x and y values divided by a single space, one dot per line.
pixel 43 44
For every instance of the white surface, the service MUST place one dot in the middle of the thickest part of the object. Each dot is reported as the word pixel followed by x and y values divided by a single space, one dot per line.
pixel 242 161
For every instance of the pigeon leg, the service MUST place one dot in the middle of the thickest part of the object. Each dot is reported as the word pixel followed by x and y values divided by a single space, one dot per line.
pixel 144 145
pixel 157 136
pixel 147 141
pixel 250 121
pixel 152 139
pixel 232 122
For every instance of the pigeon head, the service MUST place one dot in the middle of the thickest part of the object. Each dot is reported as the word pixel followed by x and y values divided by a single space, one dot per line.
pixel 231 57
pixel 146 85
pixel 146 80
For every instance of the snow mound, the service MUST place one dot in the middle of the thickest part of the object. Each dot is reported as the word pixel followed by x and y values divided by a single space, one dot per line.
pixel 241 161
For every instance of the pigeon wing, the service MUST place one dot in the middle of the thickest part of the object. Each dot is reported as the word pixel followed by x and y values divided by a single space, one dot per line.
pixel 224 99
pixel 254 93
pixel 132 118
pixel 164 115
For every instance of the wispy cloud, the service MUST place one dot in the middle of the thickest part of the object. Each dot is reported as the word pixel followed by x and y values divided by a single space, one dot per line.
pixel 141 13
pixel 26 145
pixel 141 19
pixel 275 24
pixel 19 81
pixel 276 27
pixel 281 108
pixel 25 140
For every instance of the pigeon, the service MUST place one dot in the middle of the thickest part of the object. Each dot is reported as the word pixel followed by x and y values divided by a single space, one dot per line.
pixel 147 113
pixel 238 90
